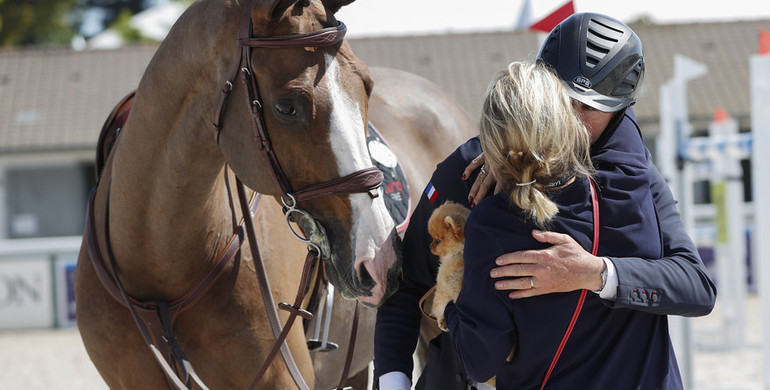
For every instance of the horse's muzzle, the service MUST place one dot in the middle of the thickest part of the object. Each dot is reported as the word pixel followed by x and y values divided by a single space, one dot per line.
pixel 379 276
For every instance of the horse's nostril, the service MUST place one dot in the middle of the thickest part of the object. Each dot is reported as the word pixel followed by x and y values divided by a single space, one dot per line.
pixel 365 278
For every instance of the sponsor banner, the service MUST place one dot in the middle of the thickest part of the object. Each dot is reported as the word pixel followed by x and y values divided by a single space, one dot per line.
pixel 64 272
pixel 26 296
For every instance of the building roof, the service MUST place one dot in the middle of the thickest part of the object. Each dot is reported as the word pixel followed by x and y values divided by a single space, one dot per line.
pixel 464 64
pixel 58 99
pixel 54 100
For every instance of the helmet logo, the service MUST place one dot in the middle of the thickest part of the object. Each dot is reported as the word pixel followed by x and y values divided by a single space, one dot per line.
pixel 582 81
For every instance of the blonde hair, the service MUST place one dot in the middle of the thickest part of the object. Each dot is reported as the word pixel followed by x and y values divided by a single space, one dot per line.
pixel 531 132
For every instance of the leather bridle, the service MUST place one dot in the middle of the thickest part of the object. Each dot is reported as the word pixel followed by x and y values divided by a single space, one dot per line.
pixel 155 319
pixel 365 180
pixel 312 233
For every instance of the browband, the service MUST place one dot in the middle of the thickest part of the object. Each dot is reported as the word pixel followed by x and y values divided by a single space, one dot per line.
pixel 325 37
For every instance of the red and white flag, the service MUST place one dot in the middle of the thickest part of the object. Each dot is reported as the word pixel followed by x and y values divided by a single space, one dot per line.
pixel 549 22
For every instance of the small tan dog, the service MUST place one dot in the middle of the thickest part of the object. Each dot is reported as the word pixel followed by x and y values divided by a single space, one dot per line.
pixel 447 227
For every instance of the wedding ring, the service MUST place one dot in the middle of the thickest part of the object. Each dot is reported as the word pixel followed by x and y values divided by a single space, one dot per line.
pixel 483 170
pixel 531 282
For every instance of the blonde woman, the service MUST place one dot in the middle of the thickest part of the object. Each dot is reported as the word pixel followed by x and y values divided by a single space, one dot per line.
pixel 538 151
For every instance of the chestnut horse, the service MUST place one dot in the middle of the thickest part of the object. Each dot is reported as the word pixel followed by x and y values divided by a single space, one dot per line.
pixel 164 214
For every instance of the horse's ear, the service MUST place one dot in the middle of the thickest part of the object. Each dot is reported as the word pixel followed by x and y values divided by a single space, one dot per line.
pixel 264 10
pixel 335 5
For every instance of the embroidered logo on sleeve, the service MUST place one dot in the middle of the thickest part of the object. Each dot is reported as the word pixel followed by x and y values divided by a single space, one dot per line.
pixel 431 192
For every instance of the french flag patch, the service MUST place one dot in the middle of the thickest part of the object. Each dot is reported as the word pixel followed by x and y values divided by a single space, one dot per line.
pixel 431 192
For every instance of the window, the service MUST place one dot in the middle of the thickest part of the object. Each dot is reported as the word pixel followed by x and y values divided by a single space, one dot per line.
pixel 47 201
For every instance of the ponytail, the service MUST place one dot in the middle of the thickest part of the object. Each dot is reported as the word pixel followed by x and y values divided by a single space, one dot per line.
pixel 532 137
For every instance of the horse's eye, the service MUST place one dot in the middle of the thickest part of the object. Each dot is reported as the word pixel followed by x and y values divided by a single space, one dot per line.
pixel 286 109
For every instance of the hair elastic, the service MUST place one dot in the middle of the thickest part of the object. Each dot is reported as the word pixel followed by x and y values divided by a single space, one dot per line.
pixel 525 184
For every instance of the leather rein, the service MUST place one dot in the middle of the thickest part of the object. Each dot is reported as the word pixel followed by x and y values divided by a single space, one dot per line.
pixel 155 319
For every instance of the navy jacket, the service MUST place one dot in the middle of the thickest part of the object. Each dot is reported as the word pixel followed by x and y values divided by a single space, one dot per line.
pixel 485 323
pixel 688 288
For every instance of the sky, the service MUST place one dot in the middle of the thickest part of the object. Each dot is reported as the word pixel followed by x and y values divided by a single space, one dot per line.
pixel 375 18
pixel 416 17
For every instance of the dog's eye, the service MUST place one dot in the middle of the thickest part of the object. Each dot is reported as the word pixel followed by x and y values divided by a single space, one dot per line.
pixel 437 241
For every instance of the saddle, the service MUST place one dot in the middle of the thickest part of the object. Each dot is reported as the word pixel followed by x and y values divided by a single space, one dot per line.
pixel 111 130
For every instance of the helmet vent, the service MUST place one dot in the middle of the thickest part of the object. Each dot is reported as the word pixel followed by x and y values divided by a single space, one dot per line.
pixel 629 83
pixel 600 39
pixel 550 50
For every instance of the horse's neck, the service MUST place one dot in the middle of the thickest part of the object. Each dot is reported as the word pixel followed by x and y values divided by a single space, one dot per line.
pixel 169 209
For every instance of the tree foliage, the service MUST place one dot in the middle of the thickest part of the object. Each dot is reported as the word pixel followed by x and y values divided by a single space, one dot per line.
pixel 36 22
pixel 55 22
pixel 122 25
pixel 112 9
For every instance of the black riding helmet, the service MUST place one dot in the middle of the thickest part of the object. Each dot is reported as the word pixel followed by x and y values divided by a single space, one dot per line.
pixel 599 59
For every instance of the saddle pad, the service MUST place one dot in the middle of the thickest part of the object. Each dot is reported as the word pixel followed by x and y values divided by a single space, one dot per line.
pixel 394 186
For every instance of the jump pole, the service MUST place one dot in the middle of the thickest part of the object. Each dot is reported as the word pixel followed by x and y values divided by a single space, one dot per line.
pixel 675 128
pixel 760 164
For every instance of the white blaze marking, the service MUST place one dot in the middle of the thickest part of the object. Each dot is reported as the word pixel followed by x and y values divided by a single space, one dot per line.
pixel 371 225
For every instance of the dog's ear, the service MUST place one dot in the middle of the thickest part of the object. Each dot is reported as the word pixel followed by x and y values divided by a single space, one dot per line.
pixel 450 222
pixel 456 227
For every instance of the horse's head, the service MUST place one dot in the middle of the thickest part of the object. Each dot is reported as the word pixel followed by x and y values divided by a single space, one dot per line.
pixel 311 97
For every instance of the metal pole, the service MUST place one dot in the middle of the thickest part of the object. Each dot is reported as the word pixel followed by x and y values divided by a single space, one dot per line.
pixel 666 142
pixel 680 328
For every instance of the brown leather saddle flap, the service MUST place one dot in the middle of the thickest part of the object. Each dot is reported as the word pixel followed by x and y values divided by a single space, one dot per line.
pixel 111 130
